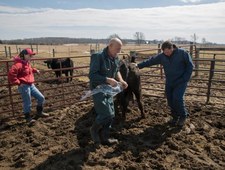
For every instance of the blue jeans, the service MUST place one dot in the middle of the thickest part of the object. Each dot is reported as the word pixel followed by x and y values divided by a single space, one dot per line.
pixel 26 92
pixel 175 99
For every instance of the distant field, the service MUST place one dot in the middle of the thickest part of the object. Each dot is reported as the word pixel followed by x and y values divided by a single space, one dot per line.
pixel 68 49
pixel 80 53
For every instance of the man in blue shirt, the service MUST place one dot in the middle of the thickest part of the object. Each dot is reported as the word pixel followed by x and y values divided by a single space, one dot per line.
pixel 104 69
pixel 178 66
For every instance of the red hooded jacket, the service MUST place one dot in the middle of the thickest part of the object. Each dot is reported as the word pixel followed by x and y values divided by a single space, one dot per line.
pixel 21 72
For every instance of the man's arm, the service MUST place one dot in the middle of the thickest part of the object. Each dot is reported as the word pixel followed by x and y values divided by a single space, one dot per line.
pixel 151 61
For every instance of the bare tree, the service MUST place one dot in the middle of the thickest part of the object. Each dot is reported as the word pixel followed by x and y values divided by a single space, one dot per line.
pixel 194 38
pixel 179 39
pixel 139 37
pixel 203 40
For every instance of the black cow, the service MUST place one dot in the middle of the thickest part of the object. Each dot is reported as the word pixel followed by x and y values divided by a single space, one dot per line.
pixel 61 63
pixel 131 75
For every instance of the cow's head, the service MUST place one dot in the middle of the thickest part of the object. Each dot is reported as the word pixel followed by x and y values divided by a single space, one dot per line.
pixel 133 70
pixel 48 62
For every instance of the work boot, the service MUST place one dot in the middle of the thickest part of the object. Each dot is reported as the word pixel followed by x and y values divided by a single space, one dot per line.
pixel 173 121
pixel 104 137
pixel 29 119
pixel 94 130
pixel 40 112
pixel 181 121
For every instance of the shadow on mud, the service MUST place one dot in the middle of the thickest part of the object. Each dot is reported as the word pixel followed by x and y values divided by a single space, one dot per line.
pixel 75 158
pixel 151 138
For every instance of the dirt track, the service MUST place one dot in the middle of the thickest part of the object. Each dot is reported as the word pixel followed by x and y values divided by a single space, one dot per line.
pixel 62 141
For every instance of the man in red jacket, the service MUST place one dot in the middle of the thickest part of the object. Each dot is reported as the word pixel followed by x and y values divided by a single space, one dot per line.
pixel 22 74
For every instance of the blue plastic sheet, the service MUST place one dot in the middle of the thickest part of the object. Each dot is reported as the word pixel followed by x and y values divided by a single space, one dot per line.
pixel 104 88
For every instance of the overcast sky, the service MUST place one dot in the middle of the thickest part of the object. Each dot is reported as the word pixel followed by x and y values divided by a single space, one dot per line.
pixel 161 20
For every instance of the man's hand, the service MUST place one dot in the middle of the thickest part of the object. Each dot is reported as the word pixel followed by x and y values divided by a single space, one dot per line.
pixel 111 81
pixel 124 84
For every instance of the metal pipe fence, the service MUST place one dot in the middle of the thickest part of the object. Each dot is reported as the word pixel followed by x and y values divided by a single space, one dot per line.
pixel 209 82
pixel 206 71
pixel 60 94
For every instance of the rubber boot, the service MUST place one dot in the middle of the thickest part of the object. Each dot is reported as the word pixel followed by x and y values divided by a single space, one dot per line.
pixel 175 117
pixel 107 141
pixel 94 130
pixel 29 119
pixel 181 121
pixel 173 121
pixel 40 112
pixel 104 135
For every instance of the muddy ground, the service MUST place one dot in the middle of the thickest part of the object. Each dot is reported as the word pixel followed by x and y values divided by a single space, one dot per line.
pixel 62 141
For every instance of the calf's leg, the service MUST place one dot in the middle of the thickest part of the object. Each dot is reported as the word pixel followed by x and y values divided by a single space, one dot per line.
pixel 124 103
pixel 71 74
pixel 140 104
pixel 67 79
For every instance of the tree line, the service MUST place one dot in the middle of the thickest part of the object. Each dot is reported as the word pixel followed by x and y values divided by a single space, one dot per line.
pixel 139 38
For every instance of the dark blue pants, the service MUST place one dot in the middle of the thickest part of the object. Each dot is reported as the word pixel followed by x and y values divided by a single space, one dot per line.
pixel 104 108
pixel 175 99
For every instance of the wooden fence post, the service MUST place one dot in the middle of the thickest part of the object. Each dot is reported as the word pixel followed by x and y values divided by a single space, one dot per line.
pixel 36 48
pixel 53 52
pixel 196 62
pixel 159 48
pixel 211 73
pixel 31 47
pixel 17 51
pixel 6 53
pixel 10 54
pixel 191 49
pixel 161 68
